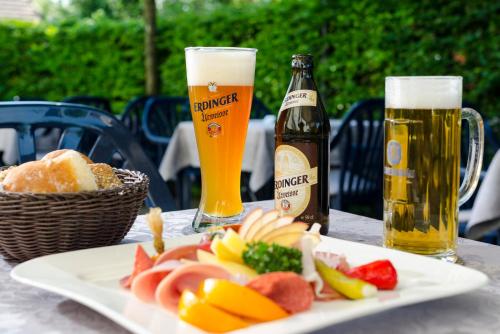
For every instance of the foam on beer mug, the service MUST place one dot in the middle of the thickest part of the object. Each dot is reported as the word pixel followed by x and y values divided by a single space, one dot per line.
pixel 224 66
pixel 423 92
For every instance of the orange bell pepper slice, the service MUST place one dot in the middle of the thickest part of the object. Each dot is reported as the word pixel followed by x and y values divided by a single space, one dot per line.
pixel 240 300
pixel 199 313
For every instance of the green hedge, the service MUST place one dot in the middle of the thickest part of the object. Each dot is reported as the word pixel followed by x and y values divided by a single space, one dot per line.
pixel 356 44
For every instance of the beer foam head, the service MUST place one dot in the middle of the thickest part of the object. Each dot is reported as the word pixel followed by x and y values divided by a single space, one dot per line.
pixel 423 92
pixel 224 66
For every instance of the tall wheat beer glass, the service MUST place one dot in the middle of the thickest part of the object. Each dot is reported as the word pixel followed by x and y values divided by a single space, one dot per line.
pixel 423 116
pixel 220 84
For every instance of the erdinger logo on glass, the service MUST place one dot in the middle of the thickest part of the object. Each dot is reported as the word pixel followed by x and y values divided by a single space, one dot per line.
pixel 394 156
pixel 393 152
pixel 212 87
pixel 217 103
pixel 214 130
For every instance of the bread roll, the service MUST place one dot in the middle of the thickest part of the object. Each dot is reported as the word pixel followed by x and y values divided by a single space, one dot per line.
pixel 3 174
pixel 105 176
pixel 68 172
pixel 55 154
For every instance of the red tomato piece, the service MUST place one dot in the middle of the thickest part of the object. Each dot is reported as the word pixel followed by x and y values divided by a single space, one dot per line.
pixel 380 273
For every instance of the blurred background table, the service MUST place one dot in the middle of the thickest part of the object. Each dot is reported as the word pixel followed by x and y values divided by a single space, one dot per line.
pixel 258 158
pixel 26 309
pixel 46 141
pixel 8 146
pixel 182 152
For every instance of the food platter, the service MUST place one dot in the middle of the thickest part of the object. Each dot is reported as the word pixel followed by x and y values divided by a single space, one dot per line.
pixel 92 276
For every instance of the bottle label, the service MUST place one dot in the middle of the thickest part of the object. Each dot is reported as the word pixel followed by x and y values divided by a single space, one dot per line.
pixel 300 98
pixel 294 177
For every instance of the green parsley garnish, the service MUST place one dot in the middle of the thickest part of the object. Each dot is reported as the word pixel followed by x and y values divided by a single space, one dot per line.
pixel 266 258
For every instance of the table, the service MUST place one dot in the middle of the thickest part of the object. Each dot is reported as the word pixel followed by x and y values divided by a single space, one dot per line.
pixel 24 309
pixel 8 145
pixel 258 158
pixel 45 142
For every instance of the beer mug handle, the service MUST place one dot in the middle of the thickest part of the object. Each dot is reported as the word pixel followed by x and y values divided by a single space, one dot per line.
pixel 475 159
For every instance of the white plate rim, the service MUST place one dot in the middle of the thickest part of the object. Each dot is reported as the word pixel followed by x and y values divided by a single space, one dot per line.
pixel 23 273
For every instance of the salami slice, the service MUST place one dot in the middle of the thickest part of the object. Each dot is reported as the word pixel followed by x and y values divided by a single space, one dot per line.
pixel 287 289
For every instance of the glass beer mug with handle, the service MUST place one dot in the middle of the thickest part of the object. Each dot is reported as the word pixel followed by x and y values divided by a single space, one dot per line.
pixel 423 117
pixel 220 83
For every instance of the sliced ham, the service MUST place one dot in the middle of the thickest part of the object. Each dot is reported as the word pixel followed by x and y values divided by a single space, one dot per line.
pixel 145 284
pixel 333 260
pixel 181 252
pixel 287 289
pixel 142 262
pixel 189 277
pixel 328 294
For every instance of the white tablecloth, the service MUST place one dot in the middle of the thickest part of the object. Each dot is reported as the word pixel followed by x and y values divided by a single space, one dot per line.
pixel 485 215
pixel 45 142
pixel 25 309
pixel 258 158
pixel 8 145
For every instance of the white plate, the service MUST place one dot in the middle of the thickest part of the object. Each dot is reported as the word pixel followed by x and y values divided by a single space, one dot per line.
pixel 91 278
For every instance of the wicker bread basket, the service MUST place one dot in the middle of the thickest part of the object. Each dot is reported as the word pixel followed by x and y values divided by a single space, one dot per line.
pixel 33 225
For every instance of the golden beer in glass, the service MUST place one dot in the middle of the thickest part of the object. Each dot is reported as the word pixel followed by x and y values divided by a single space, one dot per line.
pixel 422 193
pixel 220 84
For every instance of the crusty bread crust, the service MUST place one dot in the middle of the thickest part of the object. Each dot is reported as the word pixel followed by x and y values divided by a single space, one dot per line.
pixel 3 174
pixel 105 176
pixel 68 172
pixel 57 153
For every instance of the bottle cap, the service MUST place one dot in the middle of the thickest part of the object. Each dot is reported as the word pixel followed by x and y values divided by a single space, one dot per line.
pixel 302 61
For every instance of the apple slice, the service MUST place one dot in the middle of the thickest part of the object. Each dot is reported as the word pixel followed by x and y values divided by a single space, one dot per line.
pixel 248 221
pixel 233 242
pixel 267 218
pixel 287 229
pixel 222 252
pixel 271 226
pixel 287 239
pixel 231 267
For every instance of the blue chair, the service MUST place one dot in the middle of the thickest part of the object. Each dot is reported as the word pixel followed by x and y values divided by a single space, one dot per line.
pixel 27 98
pixel 132 119
pixel 75 121
pixel 100 103
pixel 93 101
pixel 357 185
pixel 46 138
pixel 132 115
pixel 259 109
pixel 160 118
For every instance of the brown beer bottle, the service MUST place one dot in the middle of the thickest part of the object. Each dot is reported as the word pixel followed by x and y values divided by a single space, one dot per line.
pixel 302 151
